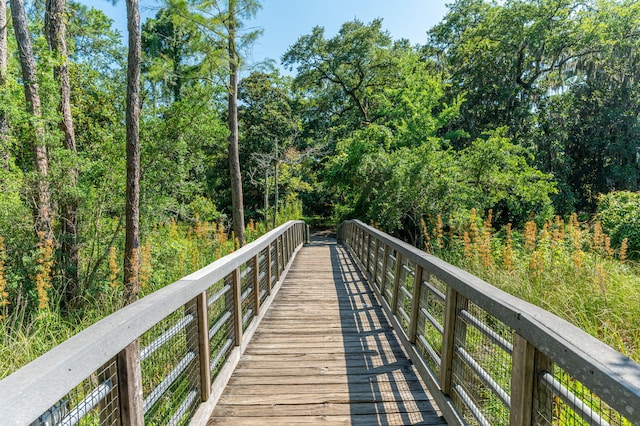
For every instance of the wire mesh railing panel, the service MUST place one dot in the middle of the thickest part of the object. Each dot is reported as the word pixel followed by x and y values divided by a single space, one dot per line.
pixel 94 401
pixel 405 294
pixel 170 369
pixel 264 275
pixel 390 275
pixel 482 365
pixel 563 400
pixel 221 330
pixel 246 294
pixel 430 329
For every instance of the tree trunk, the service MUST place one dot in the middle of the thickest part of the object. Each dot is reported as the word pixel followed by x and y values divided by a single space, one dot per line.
pixel 266 196
pixel 234 156
pixel 42 210
pixel 55 31
pixel 132 212
pixel 275 189
pixel 4 122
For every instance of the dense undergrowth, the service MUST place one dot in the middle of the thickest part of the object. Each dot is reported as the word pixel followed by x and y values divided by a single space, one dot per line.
pixel 169 251
pixel 568 268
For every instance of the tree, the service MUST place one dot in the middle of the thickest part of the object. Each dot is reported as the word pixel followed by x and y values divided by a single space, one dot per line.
pixel 42 210
pixel 234 156
pixel 506 56
pixel 349 70
pixel 56 33
pixel 270 126
pixel 232 23
pixel 4 121
pixel 132 209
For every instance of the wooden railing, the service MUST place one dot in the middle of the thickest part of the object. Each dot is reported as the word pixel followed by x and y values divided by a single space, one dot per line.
pixel 487 357
pixel 164 359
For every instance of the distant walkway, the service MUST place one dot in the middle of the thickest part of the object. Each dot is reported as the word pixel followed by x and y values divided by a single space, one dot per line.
pixel 325 353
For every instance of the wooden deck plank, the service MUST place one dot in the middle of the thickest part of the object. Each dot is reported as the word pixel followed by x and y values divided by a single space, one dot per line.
pixel 325 354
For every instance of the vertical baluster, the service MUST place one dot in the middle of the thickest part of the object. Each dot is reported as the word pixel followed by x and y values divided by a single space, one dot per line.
pixel 130 385
pixel 375 263
pixel 237 306
pixel 531 402
pixel 256 283
pixel 396 283
pixel 197 337
pixel 454 304
pixel 269 269
pixel 415 304
pixel 277 258
pixel 385 264
pixel 368 254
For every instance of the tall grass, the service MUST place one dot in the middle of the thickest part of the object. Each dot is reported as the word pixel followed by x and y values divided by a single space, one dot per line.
pixel 169 251
pixel 566 267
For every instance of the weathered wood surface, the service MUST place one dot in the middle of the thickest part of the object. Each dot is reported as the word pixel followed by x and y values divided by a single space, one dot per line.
pixel 325 353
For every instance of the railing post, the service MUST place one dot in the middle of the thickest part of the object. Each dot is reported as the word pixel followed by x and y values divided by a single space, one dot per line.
pixel 454 304
pixel 522 380
pixel 385 264
pixel 368 254
pixel 269 269
pixel 375 262
pixel 202 313
pixel 415 304
pixel 396 283
pixel 237 306
pixel 529 398
pixel 130 385
pixel 277 241
pixel 197 336
pixel 256 283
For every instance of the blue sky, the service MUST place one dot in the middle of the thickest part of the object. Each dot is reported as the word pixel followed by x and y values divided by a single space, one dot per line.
pixel 284 21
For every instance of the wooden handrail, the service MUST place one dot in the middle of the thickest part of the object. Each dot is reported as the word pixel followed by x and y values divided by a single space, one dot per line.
pixel 43 385
pixel 540 345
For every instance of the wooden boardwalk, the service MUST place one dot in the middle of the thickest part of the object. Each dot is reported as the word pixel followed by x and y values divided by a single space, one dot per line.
pixel 325 353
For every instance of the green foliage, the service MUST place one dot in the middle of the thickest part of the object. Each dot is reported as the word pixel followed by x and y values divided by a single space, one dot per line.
pixel 619 213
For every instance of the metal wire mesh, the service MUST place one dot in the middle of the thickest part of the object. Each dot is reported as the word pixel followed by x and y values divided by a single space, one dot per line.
pixel 482 365
pixel 387 293
pixel 264 276
pixel 170 368
pixel 405 293
pixel 562 400
pixel 247 294
pixel 431 322
pixel 93 401
pixel 221 330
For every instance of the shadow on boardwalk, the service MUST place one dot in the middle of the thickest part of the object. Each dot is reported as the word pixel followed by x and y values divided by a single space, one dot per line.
pixel 383 385
pixel 324 354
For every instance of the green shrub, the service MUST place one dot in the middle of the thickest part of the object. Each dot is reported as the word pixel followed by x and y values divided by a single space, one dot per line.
pixel 619 213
